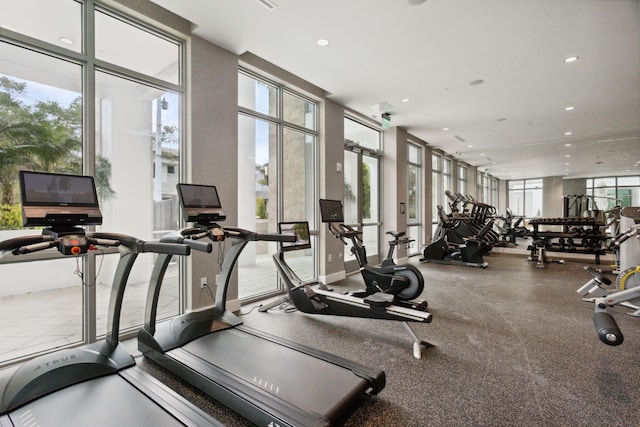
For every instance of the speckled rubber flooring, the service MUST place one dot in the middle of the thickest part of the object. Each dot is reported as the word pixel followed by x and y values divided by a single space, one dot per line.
pixel 512 345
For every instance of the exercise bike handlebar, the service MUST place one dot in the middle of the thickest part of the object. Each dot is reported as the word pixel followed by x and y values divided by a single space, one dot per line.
pixel 345 231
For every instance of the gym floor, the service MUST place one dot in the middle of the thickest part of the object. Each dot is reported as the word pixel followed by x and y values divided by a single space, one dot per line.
pixel 512 345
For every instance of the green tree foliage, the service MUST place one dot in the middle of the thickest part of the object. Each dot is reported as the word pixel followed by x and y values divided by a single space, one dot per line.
pixel 366 191
pixel 10 217
pixel 44 136
pixel 14 136
pixel 261 208
pixel 302 233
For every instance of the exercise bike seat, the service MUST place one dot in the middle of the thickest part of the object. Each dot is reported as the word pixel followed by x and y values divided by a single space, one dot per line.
pixel 379 300
pixel 396 234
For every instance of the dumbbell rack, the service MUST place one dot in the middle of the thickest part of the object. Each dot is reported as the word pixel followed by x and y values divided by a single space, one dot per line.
pixel 579 235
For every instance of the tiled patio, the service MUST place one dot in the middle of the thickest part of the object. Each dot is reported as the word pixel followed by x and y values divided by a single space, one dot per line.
pixel 35 322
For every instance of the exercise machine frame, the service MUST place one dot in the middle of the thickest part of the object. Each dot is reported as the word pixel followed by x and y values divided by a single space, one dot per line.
pixel 313 297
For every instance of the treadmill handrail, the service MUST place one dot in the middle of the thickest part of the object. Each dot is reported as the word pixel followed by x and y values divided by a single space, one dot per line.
pixel 239 238
pixel 49 373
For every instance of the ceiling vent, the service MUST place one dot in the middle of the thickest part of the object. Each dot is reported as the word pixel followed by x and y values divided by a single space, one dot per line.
pixel 459 138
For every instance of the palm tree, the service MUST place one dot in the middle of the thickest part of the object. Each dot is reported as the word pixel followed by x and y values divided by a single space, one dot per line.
pixel 56 141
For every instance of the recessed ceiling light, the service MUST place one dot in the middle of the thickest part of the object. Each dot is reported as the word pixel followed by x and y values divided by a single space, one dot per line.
pixel 571 59
pixel 445 128
pixel 567 145
pixel 569 108
pixel 567 155
pixel 66 40
pixel 406 99
pixel 322 42
pixel 568 133
pixel 469 146
pixel 567 164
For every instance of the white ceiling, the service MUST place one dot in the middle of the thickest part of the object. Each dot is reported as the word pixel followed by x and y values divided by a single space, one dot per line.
pixel 514 122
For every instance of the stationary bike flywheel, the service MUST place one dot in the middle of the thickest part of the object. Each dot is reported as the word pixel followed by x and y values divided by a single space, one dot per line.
pixel 415 287
pixel 627 279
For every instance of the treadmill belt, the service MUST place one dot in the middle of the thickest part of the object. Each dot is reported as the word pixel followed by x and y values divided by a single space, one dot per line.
pixel 104 401
pixel 305 381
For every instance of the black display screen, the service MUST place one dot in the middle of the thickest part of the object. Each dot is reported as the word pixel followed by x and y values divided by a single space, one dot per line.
pixel 199 196
pixel 50 189
pixel 331 210
pixel 300 229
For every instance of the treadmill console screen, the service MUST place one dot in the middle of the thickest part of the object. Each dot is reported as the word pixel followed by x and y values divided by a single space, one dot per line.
pixel 50 199
pixel 299 229
pixel 331 210
pixel 201 203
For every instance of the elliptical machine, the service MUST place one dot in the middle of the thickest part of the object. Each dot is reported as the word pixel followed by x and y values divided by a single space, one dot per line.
pixel 403 282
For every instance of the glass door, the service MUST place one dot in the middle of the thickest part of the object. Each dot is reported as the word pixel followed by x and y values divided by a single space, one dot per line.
pixel 362 189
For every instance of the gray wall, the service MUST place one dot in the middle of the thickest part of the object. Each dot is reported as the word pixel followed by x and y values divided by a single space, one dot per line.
pixel 552 191
pixel 331 186
pixel 394 186
pixel 212 151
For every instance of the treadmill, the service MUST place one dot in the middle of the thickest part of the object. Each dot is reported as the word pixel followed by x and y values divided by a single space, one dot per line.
pixel 266 379
pixel 96 384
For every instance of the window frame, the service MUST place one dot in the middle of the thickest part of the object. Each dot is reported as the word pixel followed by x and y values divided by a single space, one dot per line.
pixel 90 67
pixel 277 119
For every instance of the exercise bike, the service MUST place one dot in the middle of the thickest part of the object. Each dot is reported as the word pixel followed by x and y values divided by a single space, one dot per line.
pixel 313 297
pixel 404 282
pixel 627 294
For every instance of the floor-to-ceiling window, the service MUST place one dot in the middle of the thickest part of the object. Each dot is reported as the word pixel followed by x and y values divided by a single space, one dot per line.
pixel 462 179
pixel 446 174
pixel 414 208
pixel 278 130
pixel 361 186
pixel 493 201
pixel 93 92
pixel 525 197
pixel 438 197
pixel 609 192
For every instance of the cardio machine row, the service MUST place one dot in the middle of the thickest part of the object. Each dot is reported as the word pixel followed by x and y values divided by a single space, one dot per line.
pixel 260 376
